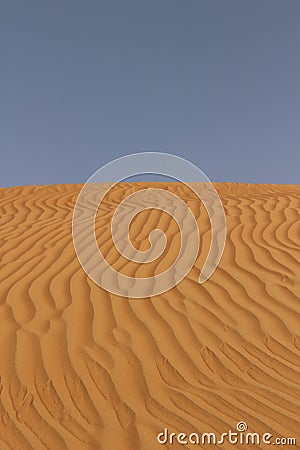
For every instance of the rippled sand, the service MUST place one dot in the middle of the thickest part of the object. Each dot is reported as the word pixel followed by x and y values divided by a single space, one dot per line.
pixel 84 369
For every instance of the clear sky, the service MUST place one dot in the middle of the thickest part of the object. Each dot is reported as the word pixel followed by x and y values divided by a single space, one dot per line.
pixel 214 81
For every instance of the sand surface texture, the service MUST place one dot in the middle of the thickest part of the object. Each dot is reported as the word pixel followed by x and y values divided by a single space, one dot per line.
pixel 83 369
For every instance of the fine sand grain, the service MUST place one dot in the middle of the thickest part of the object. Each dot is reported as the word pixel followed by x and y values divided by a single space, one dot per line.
pixel 83 369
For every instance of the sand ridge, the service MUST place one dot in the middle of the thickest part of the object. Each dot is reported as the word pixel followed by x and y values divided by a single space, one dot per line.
pixel 85 369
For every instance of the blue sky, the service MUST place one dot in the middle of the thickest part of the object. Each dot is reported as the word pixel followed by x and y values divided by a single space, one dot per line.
pixel 83 82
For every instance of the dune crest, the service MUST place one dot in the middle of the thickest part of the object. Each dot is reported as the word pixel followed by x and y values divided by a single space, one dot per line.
pixel 85 369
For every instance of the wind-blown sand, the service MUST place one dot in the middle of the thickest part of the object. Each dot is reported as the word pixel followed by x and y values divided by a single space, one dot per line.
pixel 84 369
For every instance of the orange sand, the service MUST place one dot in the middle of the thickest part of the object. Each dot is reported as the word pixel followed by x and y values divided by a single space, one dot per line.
pixel 82 369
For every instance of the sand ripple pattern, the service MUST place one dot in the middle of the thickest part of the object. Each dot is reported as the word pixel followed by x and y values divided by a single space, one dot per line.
pixel 81 368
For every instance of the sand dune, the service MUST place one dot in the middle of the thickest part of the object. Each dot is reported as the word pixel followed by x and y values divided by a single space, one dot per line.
pixel 85 369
